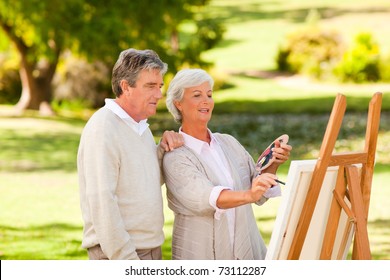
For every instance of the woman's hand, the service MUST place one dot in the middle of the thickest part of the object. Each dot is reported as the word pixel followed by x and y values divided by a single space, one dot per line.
pixel 281 152
pixel 261 184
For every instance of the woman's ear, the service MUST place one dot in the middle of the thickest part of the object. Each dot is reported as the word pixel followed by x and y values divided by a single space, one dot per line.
pixel 177 105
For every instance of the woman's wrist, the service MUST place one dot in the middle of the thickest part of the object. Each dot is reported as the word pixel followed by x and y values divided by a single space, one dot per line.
pixel 251 197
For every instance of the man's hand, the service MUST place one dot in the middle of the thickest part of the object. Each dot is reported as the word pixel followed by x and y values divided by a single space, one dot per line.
pixel 171 140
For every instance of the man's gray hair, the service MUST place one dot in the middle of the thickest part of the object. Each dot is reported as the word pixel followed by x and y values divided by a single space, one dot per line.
pixel 185 78
pixel 130 63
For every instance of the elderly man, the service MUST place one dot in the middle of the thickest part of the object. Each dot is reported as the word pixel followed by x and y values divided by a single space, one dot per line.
pixel 119 164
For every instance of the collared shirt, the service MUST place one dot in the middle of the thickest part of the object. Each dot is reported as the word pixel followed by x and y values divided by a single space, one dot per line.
pixel 215 158
pixel 138 127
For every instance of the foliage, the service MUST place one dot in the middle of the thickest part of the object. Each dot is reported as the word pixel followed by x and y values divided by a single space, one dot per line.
pixel 361 62
pixel 39 26
pixel 10 85
pixel 209 34
pixel 95 28
pixel 80 81
pixel 384 67
pixel 319 54
pixel 310 51
pixel 43 29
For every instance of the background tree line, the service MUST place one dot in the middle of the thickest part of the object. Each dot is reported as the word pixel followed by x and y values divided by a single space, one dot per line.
pixel 43 37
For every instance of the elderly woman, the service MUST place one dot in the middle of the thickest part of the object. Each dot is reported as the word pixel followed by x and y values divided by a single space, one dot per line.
pixel 212 180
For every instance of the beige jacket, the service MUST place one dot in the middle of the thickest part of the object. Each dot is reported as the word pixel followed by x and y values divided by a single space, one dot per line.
pixel 196 234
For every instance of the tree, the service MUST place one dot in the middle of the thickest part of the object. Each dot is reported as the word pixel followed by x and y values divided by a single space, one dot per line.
pixel 31 26
pixel 41 30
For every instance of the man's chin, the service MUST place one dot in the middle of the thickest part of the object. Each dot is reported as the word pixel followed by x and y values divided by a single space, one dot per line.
pixel 152 112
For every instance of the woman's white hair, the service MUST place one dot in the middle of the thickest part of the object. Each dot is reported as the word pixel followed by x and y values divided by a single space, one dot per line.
pixel 183 79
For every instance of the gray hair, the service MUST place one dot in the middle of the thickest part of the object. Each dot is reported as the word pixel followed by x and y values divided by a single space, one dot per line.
pixel 184 79
pixel 130 63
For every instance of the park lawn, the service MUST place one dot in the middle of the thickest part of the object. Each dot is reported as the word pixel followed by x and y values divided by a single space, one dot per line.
pixel 40 216
pixel 39 211
pixel 42 219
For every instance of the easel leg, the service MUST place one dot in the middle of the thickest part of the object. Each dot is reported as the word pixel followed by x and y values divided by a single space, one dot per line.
pixel 362 245
pixel 334 216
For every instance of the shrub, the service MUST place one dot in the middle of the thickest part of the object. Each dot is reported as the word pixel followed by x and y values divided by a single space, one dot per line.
pixel 10 84
pixel 361 63
pixel 384 68
pixel 80 82
pixel 310 51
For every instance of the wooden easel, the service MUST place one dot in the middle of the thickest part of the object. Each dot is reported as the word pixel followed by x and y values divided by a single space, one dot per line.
pixel 350 185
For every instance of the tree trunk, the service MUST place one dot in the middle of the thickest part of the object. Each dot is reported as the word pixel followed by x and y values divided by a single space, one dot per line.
pixel 36 76
pixel 175 40
pixel 36 93
pixel 36 87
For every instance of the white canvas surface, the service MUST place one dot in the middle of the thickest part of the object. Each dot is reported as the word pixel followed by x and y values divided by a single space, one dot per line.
pixel 293 198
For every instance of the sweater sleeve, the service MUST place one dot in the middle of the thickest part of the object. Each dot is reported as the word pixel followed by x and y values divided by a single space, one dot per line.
pixel 188 187
pixel 100 163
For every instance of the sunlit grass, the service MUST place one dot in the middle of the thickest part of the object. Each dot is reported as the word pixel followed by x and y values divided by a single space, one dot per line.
pixel 40 215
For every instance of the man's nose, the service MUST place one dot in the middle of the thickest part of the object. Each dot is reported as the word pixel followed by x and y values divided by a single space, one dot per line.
pixel 158 93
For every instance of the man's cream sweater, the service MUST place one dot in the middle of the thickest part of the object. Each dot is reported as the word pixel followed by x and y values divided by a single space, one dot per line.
pixel 120 187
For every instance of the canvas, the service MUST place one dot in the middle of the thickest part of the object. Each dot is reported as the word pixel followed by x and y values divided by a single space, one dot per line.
pixel 290 208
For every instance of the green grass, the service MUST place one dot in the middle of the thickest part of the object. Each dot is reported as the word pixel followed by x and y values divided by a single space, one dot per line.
pixel 39 214
pixel 39 211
